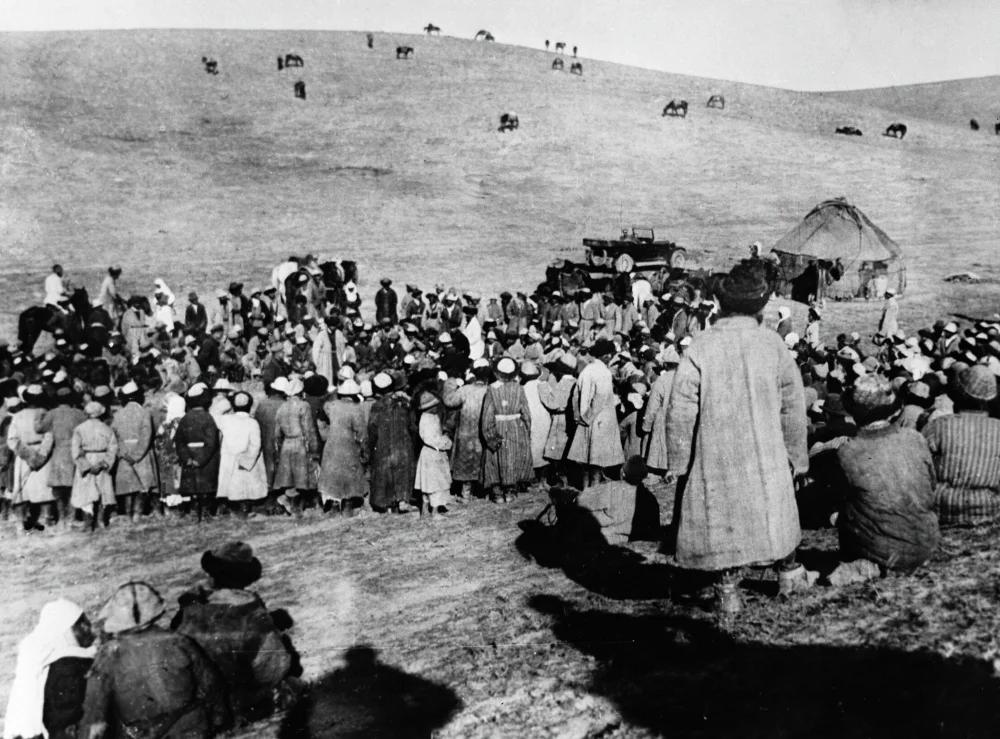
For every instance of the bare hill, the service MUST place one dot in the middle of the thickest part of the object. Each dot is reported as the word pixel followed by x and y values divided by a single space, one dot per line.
pixel 117 146
pixel 954 102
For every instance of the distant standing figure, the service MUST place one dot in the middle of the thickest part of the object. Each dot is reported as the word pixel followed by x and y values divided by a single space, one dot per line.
pixel 974 124
pixel 386 302
pixel 546 44
pixel 300 90
pixel 889 323
pixel 574 51
pixel 371 41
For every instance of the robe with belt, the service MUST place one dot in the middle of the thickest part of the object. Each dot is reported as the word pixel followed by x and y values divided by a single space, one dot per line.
pixel 555 398
pixel 506 428
pixel 95 450
pixel 541 422
pixel 597 440
pixel 342 474
pixel 60 422
pixel 137 470
pixel 467 451
pixel 197 440
pixel 34 457
pixel 654 421
pixel 241 465
pixel 297 440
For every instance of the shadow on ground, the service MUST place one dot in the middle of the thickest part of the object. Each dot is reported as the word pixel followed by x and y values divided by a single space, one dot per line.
pixel 367 698
pixel 685 678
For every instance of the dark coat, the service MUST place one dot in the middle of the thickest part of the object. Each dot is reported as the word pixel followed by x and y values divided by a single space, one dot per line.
pixel 60 422
pixel 297 440
pixel 391 433
pixel 197 443
pixel 65 689
pixel 266 415
pixel 385 305
pixel 236 630
pixel 184 697
pixel 208 355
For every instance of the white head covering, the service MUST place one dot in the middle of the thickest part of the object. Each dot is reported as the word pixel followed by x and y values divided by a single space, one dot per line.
pixel 51 640
pixel 175 407
pixel 162 289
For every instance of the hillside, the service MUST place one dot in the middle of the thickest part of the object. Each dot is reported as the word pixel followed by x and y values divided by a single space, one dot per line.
pixel 955 101
pixel 118 147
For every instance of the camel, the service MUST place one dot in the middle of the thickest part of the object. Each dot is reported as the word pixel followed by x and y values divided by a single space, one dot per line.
pixel 371 41
pixel 849 131
pixel 560 46
pixel 508 122
pixel 558 64
pixel 576 68
pixel 974 124
pixel 675 108
pixel 403 52
pixel 896 130
pixel 716 101
pixel 431 28
pixel 211 66
pixel 300 90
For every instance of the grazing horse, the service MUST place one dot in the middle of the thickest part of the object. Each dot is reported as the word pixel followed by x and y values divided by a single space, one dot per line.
pixel 558 64
pixel 294 60
pixel 674 108
pixel 403 52
pixel 560 46
pixel 300 90
pixel 431 28
pixel 849 131
pixel 481 33
pixel 974 124
pixel 508 122
pixel 576 68
pixel 211 66
pixel 488 37
pixel 896 130
pixel 371 41
pixel 716 101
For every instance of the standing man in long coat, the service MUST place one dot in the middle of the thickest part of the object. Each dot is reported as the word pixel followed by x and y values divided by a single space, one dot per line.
pixel 297 439
pixel 266 415
pixel 391 453
pixel 136 474
pixel 597 443
pixel 739 393
pixel 34 458
pixel 342 474
pixel 555 394
pixel 654 421
pixel 385 303
pixel 467 451
pixel 506 428
pixel 888 325
pixel 60 422
pixel 242 477
pixel 95 450
pixel 197 442
pixel 540 419
pixel 322 352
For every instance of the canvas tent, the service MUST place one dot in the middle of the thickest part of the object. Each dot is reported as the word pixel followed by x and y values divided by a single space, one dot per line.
pixel 836 252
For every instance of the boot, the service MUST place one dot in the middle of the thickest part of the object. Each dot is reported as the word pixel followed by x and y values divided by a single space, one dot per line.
pixel 796 579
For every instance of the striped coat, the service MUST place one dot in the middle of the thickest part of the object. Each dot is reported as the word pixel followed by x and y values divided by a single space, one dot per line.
pixel 966 452
pixel 506 425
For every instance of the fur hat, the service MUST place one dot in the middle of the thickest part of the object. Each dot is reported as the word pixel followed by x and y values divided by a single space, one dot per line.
pixel 134 605
pixel 602 348
pixel 872 391
pixel 744 291
pixel 232 564
pixel 977 382
pixel 93 409
pixel 506 367
pixel 427 401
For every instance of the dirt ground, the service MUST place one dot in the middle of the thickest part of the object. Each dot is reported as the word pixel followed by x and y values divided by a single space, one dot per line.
pixel 117 147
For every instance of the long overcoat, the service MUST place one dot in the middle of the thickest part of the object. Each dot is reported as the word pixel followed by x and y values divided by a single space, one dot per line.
pixel 197 441
pixel 736 434
pixel 433 471
pixel 654 421
pixel 342 473
pixel 298 445
pixel 266 415
pixel 241 465
pixel 60 422
pixel 34 456
pixel 467 451
pixel 506 424
pixel 597 440
pixel 541 422
pixel 555 397
pixel 391 433
pixel 95 450
pixel 137 470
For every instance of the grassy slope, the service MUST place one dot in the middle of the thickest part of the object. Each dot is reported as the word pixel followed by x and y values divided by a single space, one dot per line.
pixel 118 146
pixel 953 102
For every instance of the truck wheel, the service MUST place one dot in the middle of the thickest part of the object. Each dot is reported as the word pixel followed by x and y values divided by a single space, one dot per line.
pixel 624 264
pixel 678 259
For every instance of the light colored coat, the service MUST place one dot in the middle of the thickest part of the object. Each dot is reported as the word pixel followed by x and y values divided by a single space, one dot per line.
pixel 541 422
pixel 242 475
pixel 342 474
pixel 738 392
pixel 60 422
pixel 433 469
pixel 654 422
pixel 30 485
pixel 322 355
pixel 555 397
pixel 136 471
pixel 597 441
pixel 95 449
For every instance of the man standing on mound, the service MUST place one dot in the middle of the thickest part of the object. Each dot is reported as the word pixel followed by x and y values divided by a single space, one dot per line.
pixel 738 392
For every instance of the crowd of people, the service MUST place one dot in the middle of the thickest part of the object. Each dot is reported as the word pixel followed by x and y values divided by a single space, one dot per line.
pixel 223 661
pixel 288 399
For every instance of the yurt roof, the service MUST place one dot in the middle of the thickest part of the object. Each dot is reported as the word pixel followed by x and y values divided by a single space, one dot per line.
pixel 836 229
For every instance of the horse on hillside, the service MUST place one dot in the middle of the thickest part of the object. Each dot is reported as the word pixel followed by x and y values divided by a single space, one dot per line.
pixel 716 101
pixel 675 108
pixel 211 66
pixel 576 68
pixel 508 122
pixel 431 28
pixel 38 318
pixel 974 124
pixel 849 131
pixel 558 63
pixel 896 131
pixel 403 52
pixel 560 46
pixel 294 60
pixel 483 34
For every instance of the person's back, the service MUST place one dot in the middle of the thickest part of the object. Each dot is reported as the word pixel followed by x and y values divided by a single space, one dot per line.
pixel 966 450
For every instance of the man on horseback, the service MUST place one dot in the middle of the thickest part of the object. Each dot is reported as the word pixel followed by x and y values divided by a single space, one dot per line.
pixel 55 290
